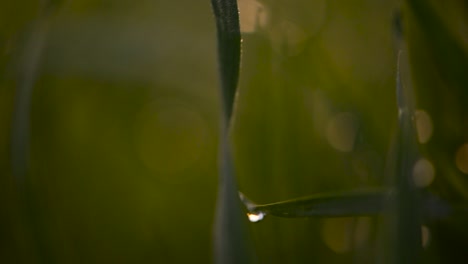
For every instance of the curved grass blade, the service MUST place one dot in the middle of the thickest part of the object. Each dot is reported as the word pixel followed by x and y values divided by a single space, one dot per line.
pixel 335 204
pixel 229 48
pixel 232 244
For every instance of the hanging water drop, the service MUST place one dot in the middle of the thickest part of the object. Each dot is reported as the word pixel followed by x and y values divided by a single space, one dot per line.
pixel 255 216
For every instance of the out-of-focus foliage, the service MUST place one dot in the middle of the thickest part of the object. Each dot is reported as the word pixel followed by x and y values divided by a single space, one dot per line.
pixel 124 127
pixel 316 111
pixel 437 35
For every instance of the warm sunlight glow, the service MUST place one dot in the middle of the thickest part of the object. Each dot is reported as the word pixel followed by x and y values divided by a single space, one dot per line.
pixel 424 125
pixel 252 15
pixel 289 33
pixel 341 131
pixel 423 173
pixel 343 234
pixel 255 216
pixel 425 236
pixel 461 158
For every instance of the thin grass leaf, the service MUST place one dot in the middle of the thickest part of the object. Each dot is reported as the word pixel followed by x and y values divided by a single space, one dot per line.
pixel 28 65
pixel 232 243
pixel 351 203
pixel 229 48
pixel 407 241
pixel 26 77
pixel 335 204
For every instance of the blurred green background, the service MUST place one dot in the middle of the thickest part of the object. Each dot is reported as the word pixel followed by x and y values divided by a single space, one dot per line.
pixel 123 134
pixel 124 127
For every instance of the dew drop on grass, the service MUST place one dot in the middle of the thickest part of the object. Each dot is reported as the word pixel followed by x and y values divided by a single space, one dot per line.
pixel 255 216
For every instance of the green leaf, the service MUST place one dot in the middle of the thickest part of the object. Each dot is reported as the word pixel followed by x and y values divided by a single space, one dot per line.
pixel 229 46
pixel 406 206
pixel 232 243
pixel 335 204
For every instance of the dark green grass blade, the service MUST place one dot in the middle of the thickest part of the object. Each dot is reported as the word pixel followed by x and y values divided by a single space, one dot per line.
pixel 351 203
pixel 229 46
pixel 28 65
pixel 232 244
pixel 406 215
pixel 27 70
pixel 336 204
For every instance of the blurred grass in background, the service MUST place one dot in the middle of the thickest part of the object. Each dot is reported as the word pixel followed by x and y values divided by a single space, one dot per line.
pixel 316 110
pixel 124 127
pixel 123 134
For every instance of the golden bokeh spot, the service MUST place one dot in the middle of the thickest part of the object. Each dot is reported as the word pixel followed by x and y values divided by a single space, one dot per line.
pixel 424 126
pixel 345 233
pixel 461 158
pixel 341 131
pixel 252 15
pixel 288 38
pixel 425 236
pixel 423 173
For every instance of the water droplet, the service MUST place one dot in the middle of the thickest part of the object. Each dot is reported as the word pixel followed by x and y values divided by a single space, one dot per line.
pixel 255 216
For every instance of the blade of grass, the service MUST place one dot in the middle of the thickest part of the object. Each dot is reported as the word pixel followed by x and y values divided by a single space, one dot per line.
pixel 407 241
pixel 335 204
pixel 229 48
pixel 27 71
pixel 26 77
pixel 351 203
pixel 232 244
pixel 232 241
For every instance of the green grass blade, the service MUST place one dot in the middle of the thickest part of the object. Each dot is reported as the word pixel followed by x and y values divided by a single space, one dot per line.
pixel 232 243
pixel 407 216
pixel 26 77
pixel 336 204
pixel 229 48
pixel 351 203
pixel 28 68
